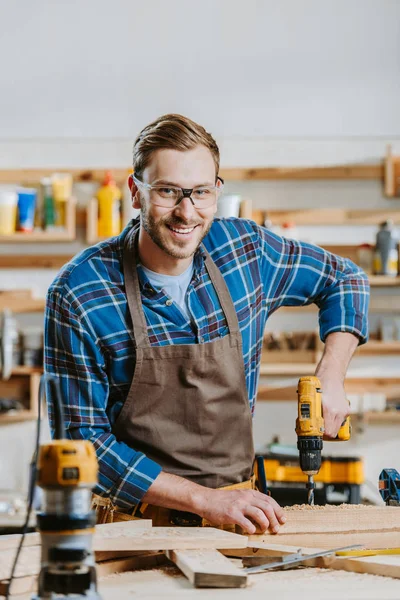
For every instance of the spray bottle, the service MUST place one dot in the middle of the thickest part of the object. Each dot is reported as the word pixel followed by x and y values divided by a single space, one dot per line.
pixel 386 257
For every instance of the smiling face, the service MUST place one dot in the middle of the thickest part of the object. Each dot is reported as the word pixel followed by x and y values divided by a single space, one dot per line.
pixel 170 236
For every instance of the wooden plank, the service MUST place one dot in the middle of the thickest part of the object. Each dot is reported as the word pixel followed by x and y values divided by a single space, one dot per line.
pixel 378 347
pixel 33 261
pixel 287 368
pixel 336 519
pixel 357 171
pixel 29 176
pixel 208 568
pixel 385 566
pixel 346 518
pixel 20 301
pixel 96 175
pixel 367 539
pixel 168 538
pixel 330 216
pixel 389 386
pixel 383 281
pixel 330 526
pixel 10 542
pixel 141 561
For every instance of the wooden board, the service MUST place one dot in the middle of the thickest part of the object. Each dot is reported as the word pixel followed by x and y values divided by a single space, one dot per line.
pixel 331 526
pixel 350 171
pixel 20 301
pixel 347 518
pixel 386 566
pixel 168 538
pixel 34 261
pixel 10 542
pixel 367 539
pixel 389 386
pixel 208 568
pixel 330 216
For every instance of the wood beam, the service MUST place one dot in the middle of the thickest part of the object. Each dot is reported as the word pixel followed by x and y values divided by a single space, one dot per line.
pixel 357 171
pixel 34 261
pixel 208 568
pixel 389 387
pixel 96 175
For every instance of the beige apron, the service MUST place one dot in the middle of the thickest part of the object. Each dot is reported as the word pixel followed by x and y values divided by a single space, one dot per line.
pixel 187 407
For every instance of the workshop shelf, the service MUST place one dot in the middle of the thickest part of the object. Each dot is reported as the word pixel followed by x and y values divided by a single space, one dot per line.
pixel 23 386
pixel 65 234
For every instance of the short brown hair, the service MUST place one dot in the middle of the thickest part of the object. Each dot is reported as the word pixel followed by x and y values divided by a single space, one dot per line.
pixel 174 132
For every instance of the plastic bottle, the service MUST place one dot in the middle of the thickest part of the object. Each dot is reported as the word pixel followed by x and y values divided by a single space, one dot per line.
pixel 386 258
pixel 8 211
pixel 49 218
pixel 109 199
pixel 62 192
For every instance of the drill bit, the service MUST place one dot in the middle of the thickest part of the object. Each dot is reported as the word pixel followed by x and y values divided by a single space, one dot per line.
pixel 310 488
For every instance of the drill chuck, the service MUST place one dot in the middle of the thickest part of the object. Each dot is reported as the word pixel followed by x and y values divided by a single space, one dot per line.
pixel 310 454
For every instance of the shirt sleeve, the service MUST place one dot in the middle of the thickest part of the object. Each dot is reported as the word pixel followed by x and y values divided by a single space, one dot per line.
pixel 296 274
pixel 73 355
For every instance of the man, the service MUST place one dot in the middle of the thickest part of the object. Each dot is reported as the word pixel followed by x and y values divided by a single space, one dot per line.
pixel 156 337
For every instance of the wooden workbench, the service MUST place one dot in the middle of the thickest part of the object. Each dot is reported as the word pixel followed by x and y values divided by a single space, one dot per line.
pixel 167 583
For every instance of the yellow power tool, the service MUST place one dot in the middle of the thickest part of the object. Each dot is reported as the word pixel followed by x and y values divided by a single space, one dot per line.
pixel 310 430
pixel 67 472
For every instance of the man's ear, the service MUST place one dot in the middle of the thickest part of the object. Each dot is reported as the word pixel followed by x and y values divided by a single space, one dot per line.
pixel 135 194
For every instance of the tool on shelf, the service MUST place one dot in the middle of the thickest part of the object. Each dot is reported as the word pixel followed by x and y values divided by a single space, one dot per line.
pixel 310 430
pixel 389 487
pixel 295 559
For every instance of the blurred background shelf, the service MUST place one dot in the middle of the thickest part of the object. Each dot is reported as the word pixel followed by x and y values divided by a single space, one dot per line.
pixel 65 234
pixel 17 417
pixel 20 301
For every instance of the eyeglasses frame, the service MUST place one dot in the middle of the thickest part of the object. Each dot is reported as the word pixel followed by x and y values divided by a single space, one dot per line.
pixel 186 192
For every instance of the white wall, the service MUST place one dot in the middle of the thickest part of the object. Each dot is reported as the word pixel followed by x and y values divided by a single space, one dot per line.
pixel 264 68
pixel 295 82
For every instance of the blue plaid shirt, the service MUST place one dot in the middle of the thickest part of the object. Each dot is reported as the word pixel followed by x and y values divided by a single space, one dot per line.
pixel 89 342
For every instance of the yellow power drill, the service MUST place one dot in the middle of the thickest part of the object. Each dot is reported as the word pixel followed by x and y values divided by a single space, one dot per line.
pixel 310 430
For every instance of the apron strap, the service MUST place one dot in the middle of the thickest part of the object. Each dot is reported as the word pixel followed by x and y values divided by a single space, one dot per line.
pixel 132 288
pixel 223 294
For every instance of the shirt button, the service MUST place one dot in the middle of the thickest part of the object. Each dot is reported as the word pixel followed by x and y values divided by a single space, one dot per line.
pixel 168 302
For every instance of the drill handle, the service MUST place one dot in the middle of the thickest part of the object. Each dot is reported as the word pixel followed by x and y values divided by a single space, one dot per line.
pixel 344 433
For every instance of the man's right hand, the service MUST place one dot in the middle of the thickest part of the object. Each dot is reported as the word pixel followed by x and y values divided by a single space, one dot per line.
pixel 245 508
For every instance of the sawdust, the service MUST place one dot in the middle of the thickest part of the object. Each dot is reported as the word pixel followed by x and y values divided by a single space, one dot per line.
pixel 327 507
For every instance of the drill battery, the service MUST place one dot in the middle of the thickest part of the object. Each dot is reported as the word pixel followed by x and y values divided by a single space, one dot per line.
pixel 339 479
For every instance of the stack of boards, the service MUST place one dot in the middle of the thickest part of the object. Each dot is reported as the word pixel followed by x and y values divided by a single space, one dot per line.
pixel 202 553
